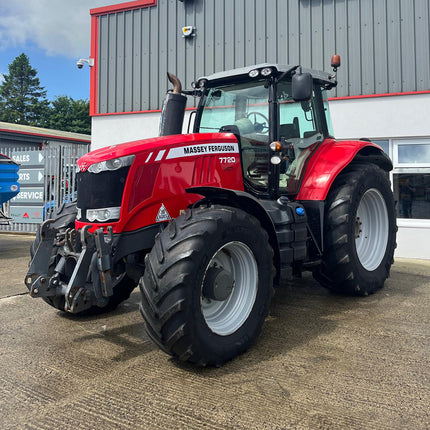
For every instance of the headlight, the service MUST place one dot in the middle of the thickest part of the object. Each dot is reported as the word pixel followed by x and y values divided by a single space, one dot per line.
pixel 253 73
pixel 202 83
pixel 114 164
pixel 103 214
pixel 14 187
pixel 267 71
pixel 276 159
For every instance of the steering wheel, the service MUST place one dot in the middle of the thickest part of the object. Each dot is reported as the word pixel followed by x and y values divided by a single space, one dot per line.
pixel 260 127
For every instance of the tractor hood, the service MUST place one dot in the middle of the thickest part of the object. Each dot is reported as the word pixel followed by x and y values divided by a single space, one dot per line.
pixel 151 145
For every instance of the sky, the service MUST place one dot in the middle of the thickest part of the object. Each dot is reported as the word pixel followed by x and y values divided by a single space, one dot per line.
pixel 54 34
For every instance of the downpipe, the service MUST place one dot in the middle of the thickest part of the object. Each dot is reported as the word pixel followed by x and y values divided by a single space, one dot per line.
pixel 73 264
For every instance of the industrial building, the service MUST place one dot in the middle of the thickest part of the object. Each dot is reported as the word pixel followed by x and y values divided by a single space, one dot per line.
pixel 47 160
pixel 384 82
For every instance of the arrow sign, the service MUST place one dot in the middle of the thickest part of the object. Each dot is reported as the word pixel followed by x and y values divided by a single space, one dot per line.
pixel 30 176
pixel 28 195
pixel 29 158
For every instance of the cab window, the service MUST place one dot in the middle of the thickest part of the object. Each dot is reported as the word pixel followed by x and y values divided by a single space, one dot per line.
pixel 301 129
pixel 243 110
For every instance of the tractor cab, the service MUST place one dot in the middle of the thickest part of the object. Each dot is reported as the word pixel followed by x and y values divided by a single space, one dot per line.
pixel 279 116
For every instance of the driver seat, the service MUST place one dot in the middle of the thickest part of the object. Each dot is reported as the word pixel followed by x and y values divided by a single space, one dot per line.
pixel 289 131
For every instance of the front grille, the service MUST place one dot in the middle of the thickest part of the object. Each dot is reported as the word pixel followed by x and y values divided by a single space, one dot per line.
pixel 101 190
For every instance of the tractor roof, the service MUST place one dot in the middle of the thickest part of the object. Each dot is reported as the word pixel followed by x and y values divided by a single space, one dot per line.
pixel 242 72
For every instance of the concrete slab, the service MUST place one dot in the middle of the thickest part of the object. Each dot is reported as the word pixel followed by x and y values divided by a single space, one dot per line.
pixel 14 258
pixel 322 361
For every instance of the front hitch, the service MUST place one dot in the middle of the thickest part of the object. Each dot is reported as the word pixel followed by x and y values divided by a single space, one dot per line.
pixel 73 264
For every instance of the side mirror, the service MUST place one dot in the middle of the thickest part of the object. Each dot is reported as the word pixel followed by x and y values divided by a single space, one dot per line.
pixel 302 87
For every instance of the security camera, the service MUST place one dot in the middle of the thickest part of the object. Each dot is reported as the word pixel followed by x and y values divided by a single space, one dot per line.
pixel 80 62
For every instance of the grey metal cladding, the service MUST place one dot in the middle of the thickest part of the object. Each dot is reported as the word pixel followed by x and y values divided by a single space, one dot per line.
pixel 384 45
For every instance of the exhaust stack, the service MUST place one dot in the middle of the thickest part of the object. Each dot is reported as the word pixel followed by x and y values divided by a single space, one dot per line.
pixel 172 114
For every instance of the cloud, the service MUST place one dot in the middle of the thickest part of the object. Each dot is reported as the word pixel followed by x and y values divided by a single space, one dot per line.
pixel 58 27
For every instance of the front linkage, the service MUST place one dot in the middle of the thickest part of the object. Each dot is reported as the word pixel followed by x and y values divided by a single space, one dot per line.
pixel 74 265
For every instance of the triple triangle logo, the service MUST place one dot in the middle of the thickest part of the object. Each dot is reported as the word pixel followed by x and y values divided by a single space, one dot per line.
pixel 163 215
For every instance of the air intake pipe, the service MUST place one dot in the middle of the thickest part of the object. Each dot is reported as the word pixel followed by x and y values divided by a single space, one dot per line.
pixel 172 114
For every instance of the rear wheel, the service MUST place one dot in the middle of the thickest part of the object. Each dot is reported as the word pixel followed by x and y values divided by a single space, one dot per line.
pixel 359 232
pixel 207 285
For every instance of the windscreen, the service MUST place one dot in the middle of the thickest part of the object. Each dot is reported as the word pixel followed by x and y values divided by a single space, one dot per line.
pixel 243 110
pixel 229 104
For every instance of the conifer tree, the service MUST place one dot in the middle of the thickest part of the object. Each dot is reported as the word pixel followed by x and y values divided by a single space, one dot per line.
pixel 22 99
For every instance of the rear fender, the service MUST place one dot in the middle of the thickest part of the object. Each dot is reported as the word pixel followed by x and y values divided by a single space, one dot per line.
pixel 331 158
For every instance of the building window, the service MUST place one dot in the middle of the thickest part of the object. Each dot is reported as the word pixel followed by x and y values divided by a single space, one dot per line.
pixel 410 177
pixel 384 144
pixel 413 153
pixel 412 193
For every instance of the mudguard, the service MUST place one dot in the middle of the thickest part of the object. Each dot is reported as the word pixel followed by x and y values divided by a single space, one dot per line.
pixel 331 158
pixel 285 222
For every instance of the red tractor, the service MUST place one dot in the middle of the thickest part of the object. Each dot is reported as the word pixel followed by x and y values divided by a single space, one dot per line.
pixel 207 223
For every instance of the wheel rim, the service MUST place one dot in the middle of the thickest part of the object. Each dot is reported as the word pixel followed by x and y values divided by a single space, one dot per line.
pixel 371 229
pixel 224 317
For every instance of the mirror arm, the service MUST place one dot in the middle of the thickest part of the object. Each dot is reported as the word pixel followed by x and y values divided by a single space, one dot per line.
pixel 289 71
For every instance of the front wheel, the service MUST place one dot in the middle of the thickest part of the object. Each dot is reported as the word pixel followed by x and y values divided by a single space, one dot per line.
pixel 359 232
pixel 207 285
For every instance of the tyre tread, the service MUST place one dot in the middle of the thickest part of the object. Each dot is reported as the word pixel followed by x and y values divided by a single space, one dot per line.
pixel 163 285
pixel 337 271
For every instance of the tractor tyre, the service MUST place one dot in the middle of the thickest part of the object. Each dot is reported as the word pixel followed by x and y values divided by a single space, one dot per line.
pixel 207 285
pixel 64 219
pixel 35 244
pixel 359 232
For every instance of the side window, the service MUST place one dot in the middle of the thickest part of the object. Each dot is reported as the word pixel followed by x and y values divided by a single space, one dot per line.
pixel 300 128
pixel 327 112
pixel 296 119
